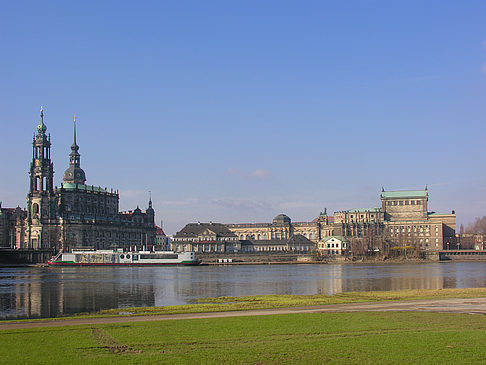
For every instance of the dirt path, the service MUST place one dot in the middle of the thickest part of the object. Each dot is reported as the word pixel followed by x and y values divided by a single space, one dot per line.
pixel 471 306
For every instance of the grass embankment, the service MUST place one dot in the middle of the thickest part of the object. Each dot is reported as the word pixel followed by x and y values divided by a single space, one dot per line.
pixel 222 304
pixel 340 338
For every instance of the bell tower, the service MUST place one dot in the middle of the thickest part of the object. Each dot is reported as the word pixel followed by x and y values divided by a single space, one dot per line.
pixel 41 200
pixel 74 174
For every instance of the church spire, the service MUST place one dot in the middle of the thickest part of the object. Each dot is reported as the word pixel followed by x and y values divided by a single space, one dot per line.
pixel 74 174
pixel 75 146
pixel 41 128
pixel 74 118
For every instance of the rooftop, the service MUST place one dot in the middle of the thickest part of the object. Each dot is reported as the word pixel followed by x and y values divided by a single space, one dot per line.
pixel 364 210
pixel 69 186
pixel 404 194
pixel 195 229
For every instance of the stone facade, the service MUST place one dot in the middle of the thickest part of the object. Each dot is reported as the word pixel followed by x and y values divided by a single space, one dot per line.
pixel 205 238
pixel 8 219
pixel 219 238
pixel 334 245
pixel 408 222
pixel 296 244
pixel 75 215
pixel 161 239
pixel 402 220
pixel 280 228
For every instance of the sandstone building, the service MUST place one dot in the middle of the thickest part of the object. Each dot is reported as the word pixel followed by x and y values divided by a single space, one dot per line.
pixel 402 220
pixel 219 238
pixel 75 214
pixel 206 237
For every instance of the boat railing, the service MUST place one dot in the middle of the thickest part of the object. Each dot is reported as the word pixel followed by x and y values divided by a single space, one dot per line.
pixel 55 258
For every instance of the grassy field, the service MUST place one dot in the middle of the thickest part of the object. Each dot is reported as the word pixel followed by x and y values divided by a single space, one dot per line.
pixel 222 304
pixel 339 338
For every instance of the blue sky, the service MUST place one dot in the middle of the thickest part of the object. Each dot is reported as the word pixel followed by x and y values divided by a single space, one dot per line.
pixel 235 111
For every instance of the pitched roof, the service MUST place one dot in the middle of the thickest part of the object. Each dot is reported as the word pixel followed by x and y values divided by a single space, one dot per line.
pixel 195 229
pixel 340 238
pixel 159 231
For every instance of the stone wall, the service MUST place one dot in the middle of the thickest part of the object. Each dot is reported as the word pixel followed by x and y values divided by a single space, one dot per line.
pixel 257 257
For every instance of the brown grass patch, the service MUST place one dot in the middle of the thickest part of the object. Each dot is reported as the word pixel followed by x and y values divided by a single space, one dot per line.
pixel 105 340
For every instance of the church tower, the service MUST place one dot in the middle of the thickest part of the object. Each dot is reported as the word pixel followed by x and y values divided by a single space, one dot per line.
pixel 150 212
pixel 74 174
pixel 41 200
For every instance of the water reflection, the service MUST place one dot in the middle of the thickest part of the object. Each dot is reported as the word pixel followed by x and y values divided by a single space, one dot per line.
pixel 51 292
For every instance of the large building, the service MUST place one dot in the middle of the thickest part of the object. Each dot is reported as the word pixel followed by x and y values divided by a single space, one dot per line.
pixel 206 237
pixel 219 238
pixel 75 214
pixel 402 220
pixel 281 228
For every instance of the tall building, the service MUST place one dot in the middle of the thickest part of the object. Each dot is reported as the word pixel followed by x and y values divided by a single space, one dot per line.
pixel 75 214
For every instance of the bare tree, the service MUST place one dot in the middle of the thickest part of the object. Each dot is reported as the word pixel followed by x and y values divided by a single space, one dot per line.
pixel 478 226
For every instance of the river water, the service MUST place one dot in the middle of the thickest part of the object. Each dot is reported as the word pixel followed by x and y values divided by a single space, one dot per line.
pixel 52 292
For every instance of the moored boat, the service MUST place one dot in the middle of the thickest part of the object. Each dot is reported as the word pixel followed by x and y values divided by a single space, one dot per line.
pixel 120 258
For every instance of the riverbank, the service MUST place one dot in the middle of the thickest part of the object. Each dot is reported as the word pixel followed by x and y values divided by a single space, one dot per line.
pixel 285 258
pixel 380 332
pixel 269 302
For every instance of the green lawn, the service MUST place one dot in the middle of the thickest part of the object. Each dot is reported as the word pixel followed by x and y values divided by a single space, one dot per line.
pixel 341 338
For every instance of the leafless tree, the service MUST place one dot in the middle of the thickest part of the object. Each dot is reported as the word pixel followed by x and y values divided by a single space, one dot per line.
pixel 477 227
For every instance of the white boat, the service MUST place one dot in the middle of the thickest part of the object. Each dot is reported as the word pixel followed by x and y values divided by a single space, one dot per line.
pixel 121 258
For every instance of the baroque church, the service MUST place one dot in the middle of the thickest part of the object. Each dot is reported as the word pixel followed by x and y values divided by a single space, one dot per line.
pixel 75 215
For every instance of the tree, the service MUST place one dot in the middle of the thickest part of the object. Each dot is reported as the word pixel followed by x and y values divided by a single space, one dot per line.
pixel 477 227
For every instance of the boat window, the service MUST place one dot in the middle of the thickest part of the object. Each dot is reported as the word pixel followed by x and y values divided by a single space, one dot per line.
pixel 128 256
pixel 159 256
pixel 122 256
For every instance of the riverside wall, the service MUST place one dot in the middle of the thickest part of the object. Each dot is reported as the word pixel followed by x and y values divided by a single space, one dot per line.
pixel 256 258
pixel 25 256
pixel 462 255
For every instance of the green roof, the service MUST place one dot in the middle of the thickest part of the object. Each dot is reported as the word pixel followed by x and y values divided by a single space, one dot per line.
pixel 69 186
pixel 404 194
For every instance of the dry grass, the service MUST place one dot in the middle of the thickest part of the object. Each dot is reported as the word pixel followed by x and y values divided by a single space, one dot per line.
pixel 222 304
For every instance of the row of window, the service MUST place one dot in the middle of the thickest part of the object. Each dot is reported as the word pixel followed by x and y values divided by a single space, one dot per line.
pixel 421 240
pixel 333 252
pixel 361 216
pixel 404 202
pixel 274 235
pixel 116 234
pixel 424 228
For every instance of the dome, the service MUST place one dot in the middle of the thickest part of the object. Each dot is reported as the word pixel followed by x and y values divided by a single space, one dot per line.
pixel 74 175
pixel 281 219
